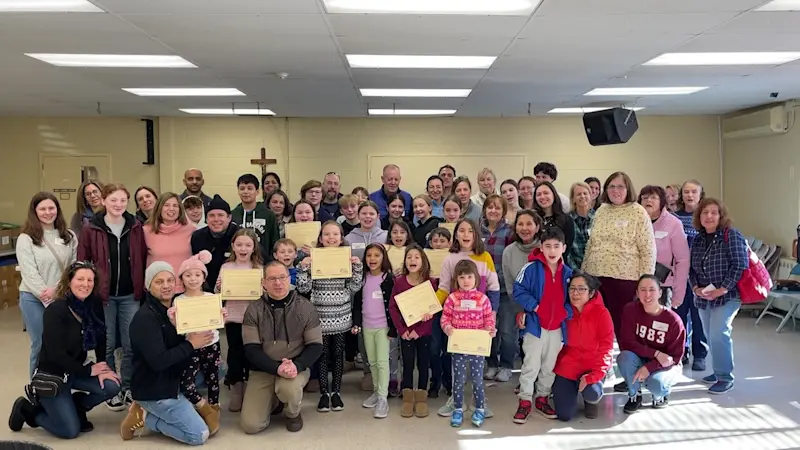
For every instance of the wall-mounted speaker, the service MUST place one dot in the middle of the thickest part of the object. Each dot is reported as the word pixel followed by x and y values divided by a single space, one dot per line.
pixel 610 126
pixel 150 140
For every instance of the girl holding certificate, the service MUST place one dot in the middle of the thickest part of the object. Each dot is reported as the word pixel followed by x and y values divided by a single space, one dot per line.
pixel 398 239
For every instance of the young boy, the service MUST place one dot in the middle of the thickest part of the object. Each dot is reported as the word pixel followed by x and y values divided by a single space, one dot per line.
pixel 195 211
pixel 439 238
pixel 285 252
pixel 541 290
pixel 348 204
pixel 252 214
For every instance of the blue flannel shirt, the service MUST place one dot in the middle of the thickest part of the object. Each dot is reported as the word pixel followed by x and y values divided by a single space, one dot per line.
pixel 721 263
pixel 495 243
pixel 582 225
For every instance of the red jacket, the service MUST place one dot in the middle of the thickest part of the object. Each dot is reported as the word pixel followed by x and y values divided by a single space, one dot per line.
pixel 589 342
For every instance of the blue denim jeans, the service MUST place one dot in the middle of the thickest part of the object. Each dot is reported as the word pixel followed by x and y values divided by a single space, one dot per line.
pixel 718 325
pixel 690 315
pixel 441 361
pixel 565 396
pixel 59 415
pixel 32 316
pixel 175 418
pixel 119 313
pixel 659 384
pixel 506 342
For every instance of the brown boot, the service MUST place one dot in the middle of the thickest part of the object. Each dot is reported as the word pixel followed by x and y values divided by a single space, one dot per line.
pixel 407 410
pixel 237 396
pixel 366 383
pixel 312 386
pixel 132 423
pixel 210 415
pixel 421 403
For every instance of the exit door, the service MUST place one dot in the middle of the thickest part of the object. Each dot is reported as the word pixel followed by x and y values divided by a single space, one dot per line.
pixel 63 175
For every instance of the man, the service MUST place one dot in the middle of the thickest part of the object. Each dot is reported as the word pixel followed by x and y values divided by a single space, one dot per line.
pixel 545 171
pixel 252 214
pixel 282 340
pixel 330 189
pixel 447 173
pixel 391 185
pixel 160 356
pixel 193 180
pixel 216 237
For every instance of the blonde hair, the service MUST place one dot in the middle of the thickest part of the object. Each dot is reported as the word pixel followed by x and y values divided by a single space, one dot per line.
pixel 348 199
pixel 487 171
pixel 572 192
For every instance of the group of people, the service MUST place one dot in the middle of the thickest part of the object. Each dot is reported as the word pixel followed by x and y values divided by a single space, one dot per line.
pixel 553 278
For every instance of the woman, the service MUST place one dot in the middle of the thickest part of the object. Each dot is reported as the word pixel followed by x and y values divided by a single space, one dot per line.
pixel 270 183
pixel 581 213
pixel 719 256
pixel 426 221
pixel 435 189
pixel 396 204
pixel 278 203
pixel 585 357
pixel 651 346
pixel 621 247
pixel 145 199
pixel 447 173
pixel 114 241
pixel 312 193
pixel 547 203
pixel 88 202
pixel 71 331
pixel 487 182
pixel 462 190
pixel 594 183
pixel 673 192
pixel 168 234
pixel 526 186
pixel 510 191
pixel 44 249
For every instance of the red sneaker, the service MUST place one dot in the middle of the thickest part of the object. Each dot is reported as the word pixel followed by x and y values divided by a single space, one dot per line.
pixel 523 412
pixel 544 408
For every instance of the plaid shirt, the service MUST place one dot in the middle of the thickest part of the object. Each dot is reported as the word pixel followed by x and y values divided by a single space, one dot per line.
pixel 495 243
pixel 720 263
pixel 582 225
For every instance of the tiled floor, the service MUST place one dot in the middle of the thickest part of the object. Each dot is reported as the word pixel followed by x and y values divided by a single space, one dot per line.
pixel 762 413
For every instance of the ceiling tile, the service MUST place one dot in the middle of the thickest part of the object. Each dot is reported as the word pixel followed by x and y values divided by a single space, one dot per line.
pixel 588 26
pixel 608 7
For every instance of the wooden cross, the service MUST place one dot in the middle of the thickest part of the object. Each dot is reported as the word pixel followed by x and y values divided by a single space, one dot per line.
pixel 263 162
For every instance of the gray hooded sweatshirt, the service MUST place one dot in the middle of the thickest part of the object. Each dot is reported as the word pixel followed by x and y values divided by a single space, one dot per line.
pixel 360 239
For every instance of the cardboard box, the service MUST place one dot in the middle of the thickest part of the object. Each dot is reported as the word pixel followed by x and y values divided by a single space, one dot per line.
pixel 9 286
pixel 8 236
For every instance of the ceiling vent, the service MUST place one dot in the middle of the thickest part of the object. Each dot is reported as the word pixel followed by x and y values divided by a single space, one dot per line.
pixel 759 123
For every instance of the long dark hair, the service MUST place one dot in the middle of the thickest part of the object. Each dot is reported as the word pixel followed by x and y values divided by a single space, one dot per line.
pixel 300 202
pixel 386 266
pixel 33 227
pixel 402 224
pixel 557 209
pixel 81 203
pixel 537 219
pixel 425 270
pixel 287 207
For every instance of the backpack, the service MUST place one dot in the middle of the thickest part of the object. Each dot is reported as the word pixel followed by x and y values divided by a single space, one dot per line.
pixel 755 283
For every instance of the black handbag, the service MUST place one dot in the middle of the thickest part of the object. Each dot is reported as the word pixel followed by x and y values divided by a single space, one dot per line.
pixel 662 272
pixel 48 385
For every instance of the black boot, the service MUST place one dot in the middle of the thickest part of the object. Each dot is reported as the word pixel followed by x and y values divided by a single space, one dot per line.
pixel 22 412
pixel 86 426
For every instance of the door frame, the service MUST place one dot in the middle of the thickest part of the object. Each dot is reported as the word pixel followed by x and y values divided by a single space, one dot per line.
pixel 42 157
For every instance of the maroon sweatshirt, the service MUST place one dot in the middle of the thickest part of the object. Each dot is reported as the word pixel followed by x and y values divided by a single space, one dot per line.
pixel 645 335
pixel 423 328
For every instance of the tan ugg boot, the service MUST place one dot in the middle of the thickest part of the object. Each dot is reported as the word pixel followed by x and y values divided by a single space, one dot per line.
pixel 237 397
pixel 421 403
pixel 210 414
pixel 407 409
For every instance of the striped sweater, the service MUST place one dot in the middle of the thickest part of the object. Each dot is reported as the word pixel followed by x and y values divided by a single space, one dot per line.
pixel 332 298
pixel 467 310
pixel 489 283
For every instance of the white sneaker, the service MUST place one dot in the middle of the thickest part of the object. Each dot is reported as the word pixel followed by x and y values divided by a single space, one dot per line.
pixel 381 409
pixel 448 408
pixel 371 401
pixel 490 373
pixel 503 375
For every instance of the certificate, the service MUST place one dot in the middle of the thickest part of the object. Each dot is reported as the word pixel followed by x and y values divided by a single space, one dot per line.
pixel 397 256
pixel 436 258
pixel 241 284
pixel 451 227
pixel 416 302
pixel 470 342
pixel 303 233
pixel 330 262
pixel 198 313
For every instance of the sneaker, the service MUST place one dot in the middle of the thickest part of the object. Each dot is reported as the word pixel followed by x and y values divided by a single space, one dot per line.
pixel 633 405
pixel 490 373
pixel 117 402
pixel 132 423
pixel 685 359
pixel 324 404
pixel 478 418
pixel 516 389
pixel 590 410
pixel 294 424
pixel 660 403
pixel 503 375
pixel 621 387
pixel 448 408
pixel 336 402
pixel 359 359
pixel 543 407
pixel 128 399
pixel 371 401
pixel 720 387
pixel 711 379
pixel 699 365
pixel 523 411
pixel 457 418
pixel 381 409
pixel 394 388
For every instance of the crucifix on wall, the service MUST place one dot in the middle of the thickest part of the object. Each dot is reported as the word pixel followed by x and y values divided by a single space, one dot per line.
pixel 263 162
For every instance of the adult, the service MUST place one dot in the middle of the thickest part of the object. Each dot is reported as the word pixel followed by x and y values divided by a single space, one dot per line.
pixel 114 241
pixel 72 329
pixel 582 213
pixel 462 191
pixel 585 358
pixel 145 199
pixel 89 201
pixel 447 173
pixel 270 183
pixel 526 186
pixel 594 183
pixel 651 346
pixel 278 203
pixel 435 189
pixel 168 234
pixel 719 256
pixel 160 356
pixel 390 180
pixel 545 171
pixel 311 192
pixel 331 185
pixel 510 191
pixel 193 180
pixel 696 342
pixel 673 192
pixel 44 249
pixel 487 185
pixel 621 247
pixel 280 355
pixel 547 202
pixel 216 237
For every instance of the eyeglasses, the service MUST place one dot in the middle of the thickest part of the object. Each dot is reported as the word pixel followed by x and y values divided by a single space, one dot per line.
pixel 616 187
pixel 91 194
pixel 81 265
pixel 578 289
pixel 278 279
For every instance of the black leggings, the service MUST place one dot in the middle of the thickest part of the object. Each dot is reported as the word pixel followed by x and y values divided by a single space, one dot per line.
pixel 332 347
pixel 205 360
pixel 350 347
pixel 238 367
pixel 419 351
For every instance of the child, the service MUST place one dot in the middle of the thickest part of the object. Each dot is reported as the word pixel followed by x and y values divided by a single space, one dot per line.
pixel 368 231
pixel 303 211
pixel 254 215
pixel 452 210
pixel 332 299
pixel 396 205
pixel 348 204
pixel 362 193
pixel 278 203
pixel 541 290
pixel 415 340
pixel 245 254
pixel 467 309
pixel 426 222
pixel 440 238
pixel 371 318
pixel 195 211
pixel 285 252
pixel 398 239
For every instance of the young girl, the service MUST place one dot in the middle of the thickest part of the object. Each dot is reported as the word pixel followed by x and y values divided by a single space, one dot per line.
pixel 452 210
pixel 415 340
pixel 303 211
pixel 467 309
pixel 245 254
pixel 372 319
pixel 426 222
pixel 368 231
pixel 332 299
pixel 397 210
pixel 547 203
pixel 398 239
pixel 362 193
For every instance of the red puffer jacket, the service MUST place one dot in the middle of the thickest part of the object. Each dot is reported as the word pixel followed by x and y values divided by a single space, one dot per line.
pixel 589 343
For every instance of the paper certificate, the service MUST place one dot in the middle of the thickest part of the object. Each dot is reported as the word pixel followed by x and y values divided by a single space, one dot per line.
pixel 330 262
pixel 397 256
pixel 303 233
pixel 470 342
pixel 198 313
pixel 416 302
pixel 436 258
pixel 241 284
pixel 451 227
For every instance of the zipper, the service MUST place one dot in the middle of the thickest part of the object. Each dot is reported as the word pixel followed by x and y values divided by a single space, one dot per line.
pixel 119 264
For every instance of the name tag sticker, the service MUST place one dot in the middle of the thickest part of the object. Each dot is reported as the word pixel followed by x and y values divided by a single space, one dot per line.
pixel 660 234
pixel 227 254
pixel 622 223
pixel 469 304
pixel 60 241
pixel 660 326
pixel 358 246
pixel 377 294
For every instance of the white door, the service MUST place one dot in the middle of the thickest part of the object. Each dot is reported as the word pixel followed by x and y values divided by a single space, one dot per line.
pixel 63 175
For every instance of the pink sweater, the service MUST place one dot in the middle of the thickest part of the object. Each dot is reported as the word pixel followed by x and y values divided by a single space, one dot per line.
pixel 467 310
pixel 672 250
pixel 236 308
pixel 172 245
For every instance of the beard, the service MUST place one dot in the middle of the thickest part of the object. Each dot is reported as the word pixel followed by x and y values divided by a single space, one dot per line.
pixel 331 197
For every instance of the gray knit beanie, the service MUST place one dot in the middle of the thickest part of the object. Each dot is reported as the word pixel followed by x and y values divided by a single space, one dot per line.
pixel 154 269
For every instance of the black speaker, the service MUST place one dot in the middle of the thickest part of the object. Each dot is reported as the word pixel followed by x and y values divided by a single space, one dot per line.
pixel 150 139
pixel 610 126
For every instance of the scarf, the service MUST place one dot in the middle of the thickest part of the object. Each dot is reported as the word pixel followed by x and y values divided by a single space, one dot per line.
pixel 88 213
pixel 92 325
pixel 167 229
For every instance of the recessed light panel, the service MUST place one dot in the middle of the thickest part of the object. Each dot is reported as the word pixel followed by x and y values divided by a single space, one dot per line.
pixel 229 111
pixel 89 60
pixel 419 62
pixel 461 7
pixel 586 110
pixel 185 92
pixel 644 91
pixel 724 59
pixel 48 6
pixel 415 92
pixel 412 112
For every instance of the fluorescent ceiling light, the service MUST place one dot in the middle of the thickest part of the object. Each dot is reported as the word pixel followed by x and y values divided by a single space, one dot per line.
pixel 230 111
pixel 48 6
pixel 466 7
pixel 419 62
pixel 723 59
pixel 78 60
pixel 415 92
pixel 185 92
pixel 781 5
pixel 587 109
pixel 645 91
pixel 412 112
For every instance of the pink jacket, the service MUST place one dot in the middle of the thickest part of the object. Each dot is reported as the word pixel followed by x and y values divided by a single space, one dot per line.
pixel 172 245
pixel 672 250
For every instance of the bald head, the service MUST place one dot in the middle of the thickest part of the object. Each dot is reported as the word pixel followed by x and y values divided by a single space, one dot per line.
pixel 391 179
pixel 193 180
